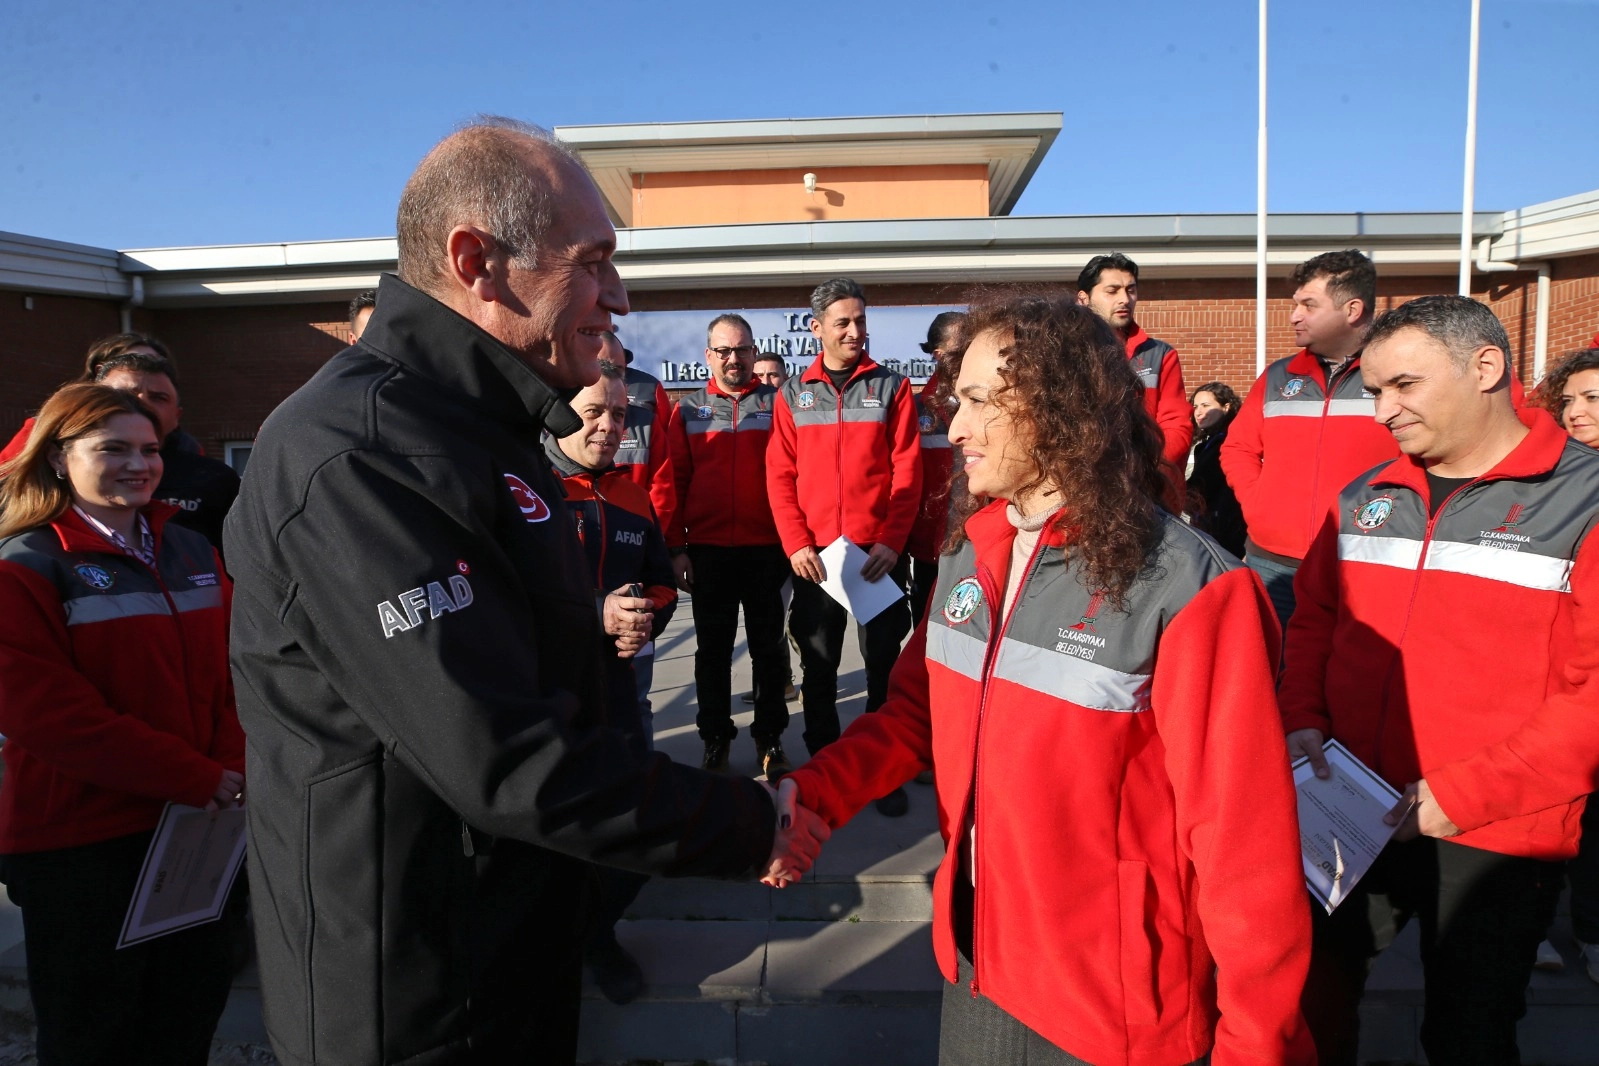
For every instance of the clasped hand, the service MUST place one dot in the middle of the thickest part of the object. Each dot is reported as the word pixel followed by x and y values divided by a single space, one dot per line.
pixel 628 619
pixel 800 835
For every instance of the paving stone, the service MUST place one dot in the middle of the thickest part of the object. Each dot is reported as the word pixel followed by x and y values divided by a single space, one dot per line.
pixel 850 962
pixel 840 1034
pixel 704 1031
pixel 697 899
pixel 909 900
pixel 696 960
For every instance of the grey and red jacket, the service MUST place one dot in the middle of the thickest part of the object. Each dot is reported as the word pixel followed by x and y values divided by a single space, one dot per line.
pixel 845 464
pixel 646 448
pixel 932 519
pixel 719 444
pixel 114 689
pixel 1165 398
pixel 1135 843
pixel 1297 441
pixel 616 524
pixel 1462 648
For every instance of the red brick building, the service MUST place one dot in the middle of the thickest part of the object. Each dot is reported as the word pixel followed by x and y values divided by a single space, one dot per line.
pixel 745 215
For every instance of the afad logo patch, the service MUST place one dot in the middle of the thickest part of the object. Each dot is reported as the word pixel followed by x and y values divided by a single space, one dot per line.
pixel 1293 388
pixel 1374 514
pixel 532 506
pixel 805 400
pixel 413 607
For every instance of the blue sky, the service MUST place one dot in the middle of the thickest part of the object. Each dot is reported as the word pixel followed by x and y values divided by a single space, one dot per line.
pixel 165 123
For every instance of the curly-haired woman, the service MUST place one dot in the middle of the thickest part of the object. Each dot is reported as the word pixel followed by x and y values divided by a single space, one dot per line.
pixel 1094 686
pixel 114 699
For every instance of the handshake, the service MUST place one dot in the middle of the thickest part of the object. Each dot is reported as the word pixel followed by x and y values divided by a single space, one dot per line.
pixel 800 835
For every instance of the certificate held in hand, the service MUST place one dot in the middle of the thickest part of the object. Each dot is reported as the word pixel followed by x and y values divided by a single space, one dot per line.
pixel 863 599
pixel 1341 826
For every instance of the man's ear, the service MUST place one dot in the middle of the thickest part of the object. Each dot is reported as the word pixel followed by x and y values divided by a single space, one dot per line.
pixel 1489 363
pixel 816 327
pixel 1082 298
pixel 470 252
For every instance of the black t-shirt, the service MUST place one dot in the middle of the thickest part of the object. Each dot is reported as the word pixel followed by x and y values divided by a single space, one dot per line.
pixel 838 377
pixel 1439 490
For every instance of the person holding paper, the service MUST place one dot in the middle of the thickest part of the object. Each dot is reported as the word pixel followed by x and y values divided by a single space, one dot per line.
pixel 1093 688
pixel 114 701
pixel 1446 634
pixel 844 462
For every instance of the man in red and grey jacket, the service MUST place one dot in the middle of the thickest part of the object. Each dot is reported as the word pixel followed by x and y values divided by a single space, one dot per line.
pixel 1108 286
pixel 844 461
pixel 725 547
pixel 647 440
pixel 1306 428
pixel 1482 525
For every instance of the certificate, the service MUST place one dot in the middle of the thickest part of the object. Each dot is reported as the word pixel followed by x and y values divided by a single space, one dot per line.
pixel 865 600
pixel 190 867
pixel 1341 827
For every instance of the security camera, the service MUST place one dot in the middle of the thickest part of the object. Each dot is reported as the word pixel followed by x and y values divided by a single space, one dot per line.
pixel 810 183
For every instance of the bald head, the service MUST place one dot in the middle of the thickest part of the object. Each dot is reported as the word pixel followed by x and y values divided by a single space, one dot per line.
pixel 498 174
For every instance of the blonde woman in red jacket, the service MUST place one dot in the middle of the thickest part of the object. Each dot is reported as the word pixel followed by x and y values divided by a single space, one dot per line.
pixel 1093 684
pixel 114 699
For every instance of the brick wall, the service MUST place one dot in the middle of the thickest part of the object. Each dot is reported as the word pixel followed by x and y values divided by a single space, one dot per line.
pixel 239 363
pixel 42 348
pixel 1574 305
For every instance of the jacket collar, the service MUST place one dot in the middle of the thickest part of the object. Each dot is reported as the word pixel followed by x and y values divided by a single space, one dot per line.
pixel 1536 455
pixel 715 389
pixel 564 466
pixel 413 329
pixel 817 371
pixel 76 535
pixel 1307 363
pixel 1135 338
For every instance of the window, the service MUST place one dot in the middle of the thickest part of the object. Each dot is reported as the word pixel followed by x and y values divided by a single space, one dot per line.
pixel 236 453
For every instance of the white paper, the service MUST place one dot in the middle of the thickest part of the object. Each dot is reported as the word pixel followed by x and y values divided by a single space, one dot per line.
pixel 842 562
pixel 1341 827
pixel 188 871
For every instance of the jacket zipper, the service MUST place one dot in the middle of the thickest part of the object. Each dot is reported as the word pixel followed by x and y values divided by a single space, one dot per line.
pixel 1333 379
pixel 732 472
pixel 1410 608
pixel 838 449
pixel 989 656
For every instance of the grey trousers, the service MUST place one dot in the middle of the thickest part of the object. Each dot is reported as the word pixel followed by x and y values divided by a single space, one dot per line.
pixel 974 1031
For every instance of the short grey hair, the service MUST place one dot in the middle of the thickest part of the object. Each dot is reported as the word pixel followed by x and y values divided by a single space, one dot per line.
pixel 609 370
pixel 480 175
pixel 728 319
pixel 829 293
pixel 1462 325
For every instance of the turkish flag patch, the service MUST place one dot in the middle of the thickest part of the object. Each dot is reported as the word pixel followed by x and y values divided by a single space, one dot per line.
pixel 532 506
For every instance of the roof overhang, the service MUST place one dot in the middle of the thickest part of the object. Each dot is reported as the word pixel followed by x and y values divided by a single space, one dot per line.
pixel 1010 145
pixel 943 251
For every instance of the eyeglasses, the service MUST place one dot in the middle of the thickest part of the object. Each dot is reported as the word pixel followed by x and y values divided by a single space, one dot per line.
pixel 730 353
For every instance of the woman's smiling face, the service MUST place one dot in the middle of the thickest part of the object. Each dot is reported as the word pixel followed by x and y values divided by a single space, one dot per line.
pixel 991 434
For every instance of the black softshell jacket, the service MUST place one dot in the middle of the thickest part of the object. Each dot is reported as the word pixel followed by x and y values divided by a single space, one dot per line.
pixel 419 670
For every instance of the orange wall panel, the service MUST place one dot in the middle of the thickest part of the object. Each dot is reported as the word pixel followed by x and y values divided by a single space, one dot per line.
pixel 699 198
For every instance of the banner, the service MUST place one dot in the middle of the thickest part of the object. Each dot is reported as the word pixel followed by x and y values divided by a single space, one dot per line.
pixel 671 344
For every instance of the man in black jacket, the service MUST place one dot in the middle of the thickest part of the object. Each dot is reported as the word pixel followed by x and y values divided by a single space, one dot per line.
pixel 419 663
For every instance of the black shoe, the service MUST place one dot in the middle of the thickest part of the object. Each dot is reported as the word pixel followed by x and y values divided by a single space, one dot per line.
pixel 925 777
pixel 715 757
pixel 894 805
pixel 790 694
pixel 773 762
pixel 615 971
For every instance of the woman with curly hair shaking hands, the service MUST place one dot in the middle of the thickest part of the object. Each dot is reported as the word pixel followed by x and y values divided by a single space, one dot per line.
pixel 1094 685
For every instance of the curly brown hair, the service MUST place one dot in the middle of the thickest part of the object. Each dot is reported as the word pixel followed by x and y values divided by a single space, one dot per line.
pixel 1072 392
pixel 1547 394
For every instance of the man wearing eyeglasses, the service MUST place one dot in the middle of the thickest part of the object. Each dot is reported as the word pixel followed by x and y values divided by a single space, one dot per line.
pixel 725 546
